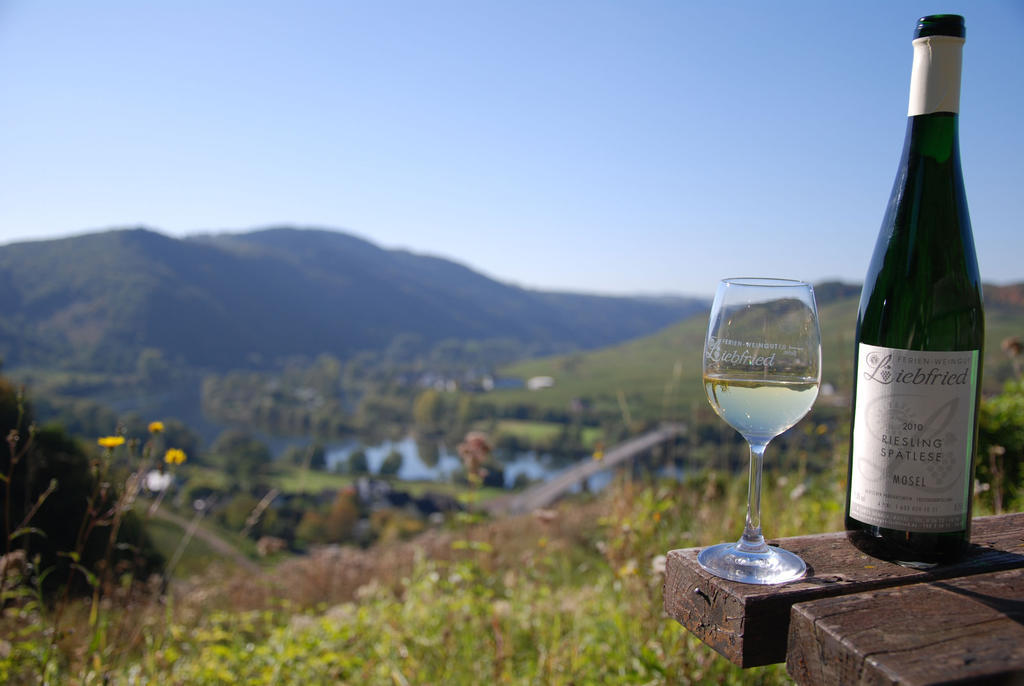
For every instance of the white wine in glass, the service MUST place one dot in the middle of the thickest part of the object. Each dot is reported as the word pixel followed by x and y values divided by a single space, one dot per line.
pixel 762 368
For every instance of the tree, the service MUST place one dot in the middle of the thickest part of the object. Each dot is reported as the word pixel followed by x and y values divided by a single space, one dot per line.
pixel 238 510
pixel 317 456
pixel 404 347
pixel 152 367
pixel 464 410
pixel 428 450
pixel 427 410
pixel 341 518
pixel 241 456
pixel 378 412
pixel 392 464
pixel 325 375
pixel 310 529
pixel 359 368
pixel 357 463
pixel 313 456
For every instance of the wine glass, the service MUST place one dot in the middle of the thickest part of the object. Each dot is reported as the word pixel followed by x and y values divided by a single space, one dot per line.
pixel 762 367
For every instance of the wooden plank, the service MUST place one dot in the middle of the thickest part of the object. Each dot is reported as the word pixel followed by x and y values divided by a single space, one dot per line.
pixel 749 624
pixel 963 630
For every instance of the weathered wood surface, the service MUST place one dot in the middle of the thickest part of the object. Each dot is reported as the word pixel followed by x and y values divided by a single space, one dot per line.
pixel 749 624
pixel 965 630
pixel 546 493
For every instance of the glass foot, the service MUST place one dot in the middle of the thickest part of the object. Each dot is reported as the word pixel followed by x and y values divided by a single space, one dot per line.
pixel 772 566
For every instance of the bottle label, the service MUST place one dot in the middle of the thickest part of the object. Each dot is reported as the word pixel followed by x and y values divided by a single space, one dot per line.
pixel 935 76
pixel 912 438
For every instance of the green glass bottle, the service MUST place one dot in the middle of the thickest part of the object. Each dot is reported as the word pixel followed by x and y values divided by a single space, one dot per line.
pixel 920 333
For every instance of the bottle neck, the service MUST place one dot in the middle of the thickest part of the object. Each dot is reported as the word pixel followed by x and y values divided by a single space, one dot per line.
pixel 935 78
pixel 934 136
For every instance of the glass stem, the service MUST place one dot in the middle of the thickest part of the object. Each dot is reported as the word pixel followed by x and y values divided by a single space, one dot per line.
pixel 752 541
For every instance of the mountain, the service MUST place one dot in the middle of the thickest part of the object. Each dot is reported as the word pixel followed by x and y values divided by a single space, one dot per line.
pixel 220 302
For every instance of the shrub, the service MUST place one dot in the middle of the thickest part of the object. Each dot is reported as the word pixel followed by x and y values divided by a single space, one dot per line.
pixel 392 464
pixel 357 463
pixel 1001 446
pixel 58 502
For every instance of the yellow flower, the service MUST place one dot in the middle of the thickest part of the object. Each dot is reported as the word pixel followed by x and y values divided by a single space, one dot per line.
pixel 110 441
pixel 174 456
pixel 156 427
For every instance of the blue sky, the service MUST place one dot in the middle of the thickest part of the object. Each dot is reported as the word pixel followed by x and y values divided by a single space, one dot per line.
pixel 610 147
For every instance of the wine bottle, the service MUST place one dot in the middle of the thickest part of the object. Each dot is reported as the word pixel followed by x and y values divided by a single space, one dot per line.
pixel 920 333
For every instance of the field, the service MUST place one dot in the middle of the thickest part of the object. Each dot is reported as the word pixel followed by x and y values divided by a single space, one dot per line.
pixel 292 479
pixel 541 433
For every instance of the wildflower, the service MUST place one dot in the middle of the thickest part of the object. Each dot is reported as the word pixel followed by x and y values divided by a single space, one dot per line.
pixel 174 456
pixel 474 451
pixel 110 441
pixel 156 427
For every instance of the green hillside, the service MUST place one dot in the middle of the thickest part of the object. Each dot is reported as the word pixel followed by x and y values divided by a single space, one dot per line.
pixel 659 376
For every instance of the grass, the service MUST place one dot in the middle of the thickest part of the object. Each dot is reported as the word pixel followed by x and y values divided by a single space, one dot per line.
pixel 195 558
pixel 209 476
pixel 284 477
pixel 541 433
pixel 290 479
pixel 294 479
pixel 534 432
pixel 574 597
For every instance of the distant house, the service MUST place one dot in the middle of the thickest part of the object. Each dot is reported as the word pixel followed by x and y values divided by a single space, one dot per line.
pixel 536 383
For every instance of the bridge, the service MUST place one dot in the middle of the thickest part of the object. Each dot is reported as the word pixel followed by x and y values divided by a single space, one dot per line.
pixel 545 494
